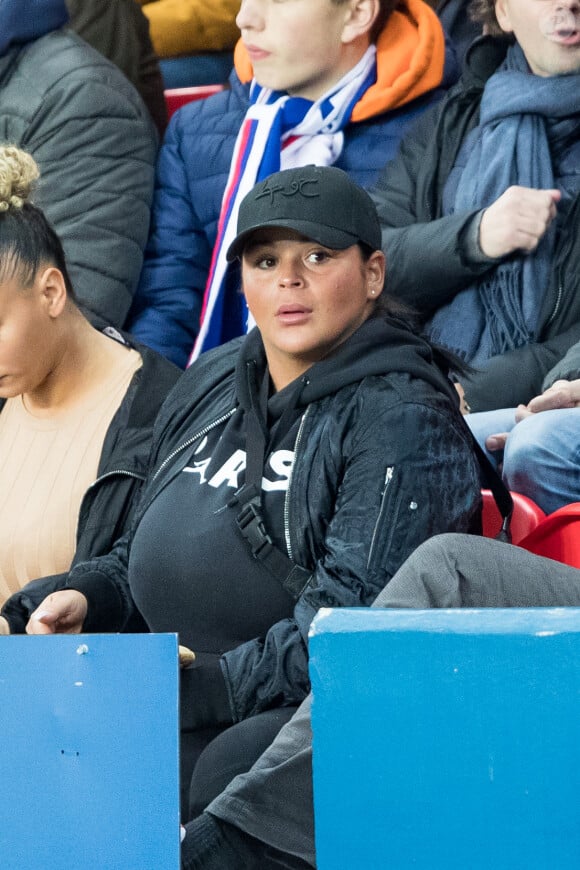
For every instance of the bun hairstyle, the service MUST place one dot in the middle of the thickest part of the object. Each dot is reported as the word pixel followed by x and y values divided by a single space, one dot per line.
pixel 27 240
pixel 18 173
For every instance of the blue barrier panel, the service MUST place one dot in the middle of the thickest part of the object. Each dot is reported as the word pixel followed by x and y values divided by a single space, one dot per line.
pixel 89 759
pixel 446 739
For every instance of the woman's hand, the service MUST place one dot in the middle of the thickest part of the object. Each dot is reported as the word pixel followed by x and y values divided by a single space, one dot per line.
pixel 4 626
pixel 186 657
pixel 63 612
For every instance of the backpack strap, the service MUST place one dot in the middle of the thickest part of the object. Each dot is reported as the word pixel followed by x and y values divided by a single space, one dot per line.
pixel 502 496
pixel 293 578
pixel 250 522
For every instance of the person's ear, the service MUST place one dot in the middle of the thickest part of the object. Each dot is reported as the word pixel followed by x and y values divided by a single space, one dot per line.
pixel 52 288
pixel 375 273
pixel 503 16
pixel 360 17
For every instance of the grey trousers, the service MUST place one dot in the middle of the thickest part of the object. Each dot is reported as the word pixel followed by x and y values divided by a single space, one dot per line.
pixel 273 801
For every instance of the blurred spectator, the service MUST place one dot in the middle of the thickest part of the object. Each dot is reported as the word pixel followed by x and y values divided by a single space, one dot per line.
pixel 193 38
pixel 91 135
pixel 77 406
pixel 481 207
pixel 120 31
pixel 538 444
pixel 310 86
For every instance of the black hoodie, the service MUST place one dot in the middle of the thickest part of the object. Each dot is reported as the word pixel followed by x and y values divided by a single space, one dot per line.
pixel 186 565
pixel 380 460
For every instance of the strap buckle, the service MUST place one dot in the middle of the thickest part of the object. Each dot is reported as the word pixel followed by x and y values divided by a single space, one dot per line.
pixel 251 525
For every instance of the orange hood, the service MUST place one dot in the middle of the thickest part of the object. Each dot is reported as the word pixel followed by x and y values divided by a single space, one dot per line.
pixel 410 61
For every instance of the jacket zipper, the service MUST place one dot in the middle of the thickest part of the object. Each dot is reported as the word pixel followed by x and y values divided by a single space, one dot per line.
pixel 122 471
pixel 564 252
pixel 557 303
pixel 388 477
pixel 191 441
pixel 287 499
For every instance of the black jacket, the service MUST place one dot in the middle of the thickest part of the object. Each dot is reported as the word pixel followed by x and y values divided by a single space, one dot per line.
pixel 568 368
pixel 88 130
pixel 107 505
pixel 383 460
pixel 425 263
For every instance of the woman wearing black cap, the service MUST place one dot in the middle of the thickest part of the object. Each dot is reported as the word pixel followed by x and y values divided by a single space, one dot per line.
pixel 293 469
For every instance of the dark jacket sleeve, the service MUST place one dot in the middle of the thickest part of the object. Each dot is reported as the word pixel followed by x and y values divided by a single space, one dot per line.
pixel 426 266
pixel 567 369
pixel 516 377
pixel 409 474
pixel 20 606
pixel 104 602
pixel 104 582
pixel 95 144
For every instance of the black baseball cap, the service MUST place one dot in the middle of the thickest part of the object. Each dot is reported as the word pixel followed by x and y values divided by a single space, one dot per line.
pixel 320 202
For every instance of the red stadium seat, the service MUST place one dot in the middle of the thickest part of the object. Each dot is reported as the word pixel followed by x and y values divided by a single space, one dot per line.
pixel 175 98
pixel 557 536
pixel 525 517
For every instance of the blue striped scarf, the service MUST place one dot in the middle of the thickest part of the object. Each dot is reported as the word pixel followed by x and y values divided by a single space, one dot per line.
pixel 278 132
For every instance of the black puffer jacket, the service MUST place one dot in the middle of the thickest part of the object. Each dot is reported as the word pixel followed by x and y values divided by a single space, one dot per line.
pixel 108 504
pixel 382 461
pixel 95 144
pixel 426 265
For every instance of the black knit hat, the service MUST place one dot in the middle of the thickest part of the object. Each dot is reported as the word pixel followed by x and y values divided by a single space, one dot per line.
pixel 320 202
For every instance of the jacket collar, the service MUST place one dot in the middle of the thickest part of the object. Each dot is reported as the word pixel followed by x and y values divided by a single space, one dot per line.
pixel 482 59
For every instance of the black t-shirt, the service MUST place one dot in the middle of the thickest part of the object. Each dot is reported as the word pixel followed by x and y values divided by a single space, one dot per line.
pixel 190 569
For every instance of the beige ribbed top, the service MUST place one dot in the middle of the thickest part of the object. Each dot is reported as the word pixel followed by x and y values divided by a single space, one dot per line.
pixel 46 465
